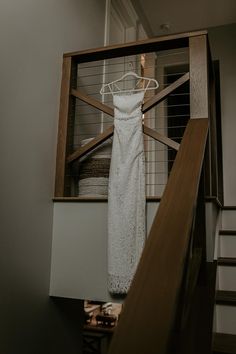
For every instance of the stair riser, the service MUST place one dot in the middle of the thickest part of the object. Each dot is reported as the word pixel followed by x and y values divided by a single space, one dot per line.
pixel 227 246
pixel 226 278
pixel 225 319
pixel 229 220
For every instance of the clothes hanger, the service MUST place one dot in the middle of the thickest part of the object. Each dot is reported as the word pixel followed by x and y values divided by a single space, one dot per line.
pixel 113 84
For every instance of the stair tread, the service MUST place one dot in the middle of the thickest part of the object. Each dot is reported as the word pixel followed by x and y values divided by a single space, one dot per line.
pixel 224 343
pixel 226 297
pixel 227 261
pixel 229 207
pixel 227 232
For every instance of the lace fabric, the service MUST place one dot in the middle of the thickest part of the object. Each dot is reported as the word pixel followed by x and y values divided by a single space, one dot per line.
pixel 126 193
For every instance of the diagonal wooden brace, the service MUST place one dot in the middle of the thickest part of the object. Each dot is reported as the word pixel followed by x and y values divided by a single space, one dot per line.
pixel 109 132
pixel 160 96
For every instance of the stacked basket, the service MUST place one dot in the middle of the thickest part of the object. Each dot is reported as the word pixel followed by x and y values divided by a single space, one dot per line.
pixel 94 171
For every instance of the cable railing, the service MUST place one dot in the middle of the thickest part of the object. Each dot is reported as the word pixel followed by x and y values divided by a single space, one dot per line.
pixel 89 120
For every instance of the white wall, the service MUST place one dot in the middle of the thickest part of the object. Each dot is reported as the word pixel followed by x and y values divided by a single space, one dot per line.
pixel 33 36
pixel 79 250
pixel 223 47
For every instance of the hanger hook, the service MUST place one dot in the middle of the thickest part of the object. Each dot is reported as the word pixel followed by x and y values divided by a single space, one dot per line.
pixel 131 66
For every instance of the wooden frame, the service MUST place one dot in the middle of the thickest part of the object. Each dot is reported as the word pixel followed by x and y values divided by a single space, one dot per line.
pixel 199 97
pixel 68 91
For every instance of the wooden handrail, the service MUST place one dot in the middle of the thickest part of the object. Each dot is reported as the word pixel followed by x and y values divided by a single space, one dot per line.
pixel 149 312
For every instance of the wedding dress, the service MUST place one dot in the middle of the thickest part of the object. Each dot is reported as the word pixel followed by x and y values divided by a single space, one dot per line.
pixel 126 192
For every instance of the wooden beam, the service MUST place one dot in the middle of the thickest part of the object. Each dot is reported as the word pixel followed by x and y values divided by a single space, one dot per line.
pixel 109 132
pixel 148 316
pixel 93 102
pixel 62 127
pixel 91 145
pixel 172 41
pixel 161 138
pixel 160 96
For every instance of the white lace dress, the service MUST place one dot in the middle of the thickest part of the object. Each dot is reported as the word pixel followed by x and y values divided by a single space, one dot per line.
pixel 126 193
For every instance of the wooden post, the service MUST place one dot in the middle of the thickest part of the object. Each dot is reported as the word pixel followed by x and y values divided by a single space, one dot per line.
pixel 63 127
pixel 198 62
pixel 199 93
pixel 220 188
pixel 214 147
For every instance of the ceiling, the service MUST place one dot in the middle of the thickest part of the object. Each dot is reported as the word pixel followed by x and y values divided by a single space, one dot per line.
pixel 184 15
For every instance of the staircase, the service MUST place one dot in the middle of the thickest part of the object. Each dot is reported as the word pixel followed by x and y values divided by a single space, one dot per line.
pixel 224 340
